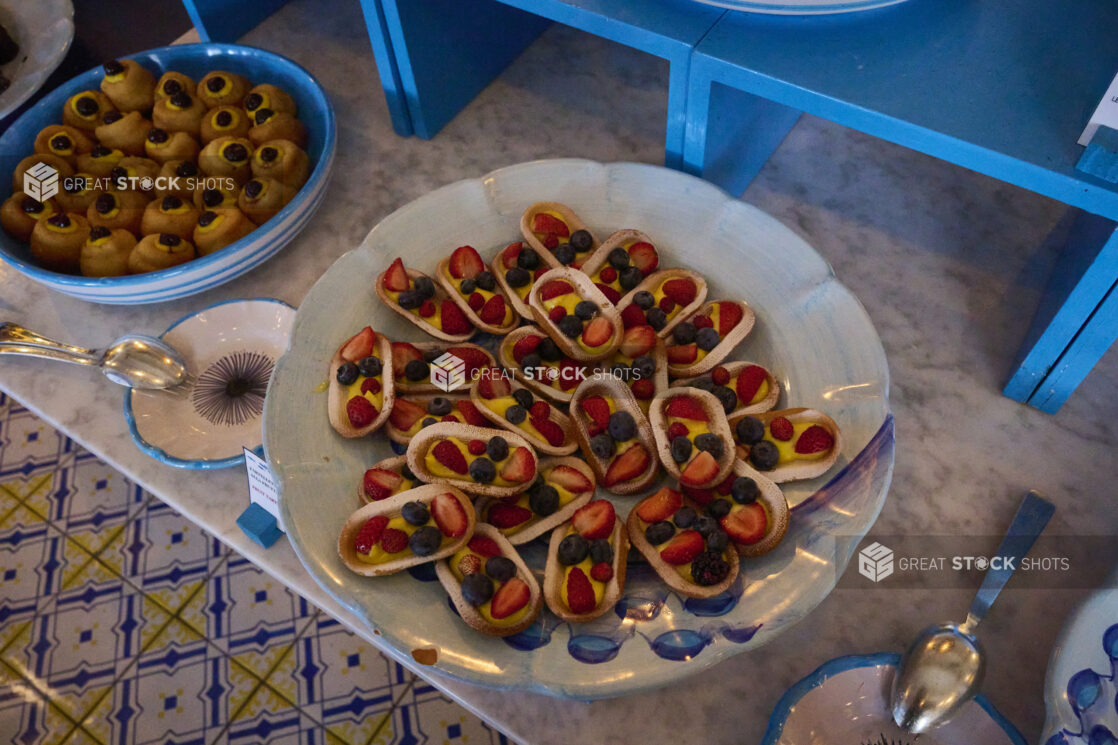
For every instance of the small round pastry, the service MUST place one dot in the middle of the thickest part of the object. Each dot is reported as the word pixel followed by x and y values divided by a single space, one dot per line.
pixel 99 161
pixel 124 132
pixel 261 199
pixel 77 192
pixel 118 209
pixel 128 84
pixel 227 157
pixel 56 242
pixel 282 160
pixel 224 121
pixel 59 164
pixel 181 112
pixel 64 141
pixel 171 214
pixel 84 110
pixel 19 213
pixel 138 174
pixel 211 197
pixel 172 82
pixel 162 146
pixel 267 96
pixel 276 125
pixel 105 253
pixel 217 228
pixel 220 88
pixel 177 177
pixel 159 251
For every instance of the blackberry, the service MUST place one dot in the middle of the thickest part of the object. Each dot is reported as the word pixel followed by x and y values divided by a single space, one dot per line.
pixel 709 568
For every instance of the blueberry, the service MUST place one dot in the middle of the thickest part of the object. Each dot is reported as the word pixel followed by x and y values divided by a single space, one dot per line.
pixel 601 445
pixel 497 448
pixel 581 240
pixel 726 396
pixel 719 508
pixel 656 318
pixel 549 350
pixel 528 258
pixel 707 338
pixel 482 470
pixel 425 287
pixel 600 551
pixel 586 310
pixel 477 589
pixel 630 277
pixel 516 413
pixel 416 513
pixel 406 473
pixel 529 361
pixel 704 384
pixel 500 568
pixel 573 549
pixel 644 300
pixel 706 525
pixel 657 533
pixel 718 541
pixel 681 449
pixel 486 281
pixel 439 406
pixel 645 367
pixel 425 541
pixel 523 397
pixel 710 442
pixel 370 367
pixel 347 373
pixel 570 326
pixel 517 277
pixel 621 425
pixel 428 421
pixel 684 333
pixel 618 258
pixel 468 286
pixel 544 500
pixel 744 490
pixel 749 430
pixel 764 455
pixel 416 370
pixel 410 300
pixel 564 253
pixel 685 517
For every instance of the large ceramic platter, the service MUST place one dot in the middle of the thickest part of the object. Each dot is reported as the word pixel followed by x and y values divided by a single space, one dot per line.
pixel 800 7
pixel 810 330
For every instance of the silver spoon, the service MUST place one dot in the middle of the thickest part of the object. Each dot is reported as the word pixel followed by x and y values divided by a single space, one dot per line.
pixel 943 667
pixel 132 360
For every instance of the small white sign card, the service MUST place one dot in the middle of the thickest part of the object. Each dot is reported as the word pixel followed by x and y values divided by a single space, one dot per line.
pixel 262 488
pixel 1106 113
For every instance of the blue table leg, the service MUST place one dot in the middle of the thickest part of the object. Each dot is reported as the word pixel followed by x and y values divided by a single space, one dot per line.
pixel 386 67
pixel 228 20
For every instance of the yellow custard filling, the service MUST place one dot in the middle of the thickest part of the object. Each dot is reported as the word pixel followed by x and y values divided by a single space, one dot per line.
pixel 506 320
pixel 435 319
pixel 694 429
pixel 501 404
pixel 585 565
pixel 376 399
pixel 616 283
pixel 485 609
pixel 212 224
pixel 69 228
pixel 787 449
pixel 762 390
pixel 658 294
pixel 435 468
pixel 567 301
pixel 378 555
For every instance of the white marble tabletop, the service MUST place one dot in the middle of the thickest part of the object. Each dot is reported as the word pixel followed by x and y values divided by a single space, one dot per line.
pixel 948 263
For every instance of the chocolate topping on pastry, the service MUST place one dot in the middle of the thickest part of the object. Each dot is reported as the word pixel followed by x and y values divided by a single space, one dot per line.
pixel 206 218
pixel 59 220
pixel 212 197
pixel 171 87
pixel 223 119
pixel 182 100
pixel 112 116
pixel 86 106
pixel 216 84
pixel 171 202
pixel 253 188
pixel 61 142
pixel 31 206
pixel 169 239
pixel 186 169
pixel 105 203
pixel 253 101
pixel 98 232
pixel 157 135
pixel 113 67
pixel 235 153
pixel 269 154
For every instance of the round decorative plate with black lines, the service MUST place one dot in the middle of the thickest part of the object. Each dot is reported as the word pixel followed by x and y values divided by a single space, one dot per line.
pixel 230 350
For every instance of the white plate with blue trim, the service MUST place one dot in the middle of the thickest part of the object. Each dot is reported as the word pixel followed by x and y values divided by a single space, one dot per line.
pixel 230 350
pixel 801 7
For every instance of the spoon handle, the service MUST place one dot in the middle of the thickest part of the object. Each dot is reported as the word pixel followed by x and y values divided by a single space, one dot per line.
pixel 1032 516
pixel 15 339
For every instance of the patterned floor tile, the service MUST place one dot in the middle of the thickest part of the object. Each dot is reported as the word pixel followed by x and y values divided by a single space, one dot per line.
pixel 33 557
pixel 26 719
pixel 90 495
pixel 28 445
pixel 427 716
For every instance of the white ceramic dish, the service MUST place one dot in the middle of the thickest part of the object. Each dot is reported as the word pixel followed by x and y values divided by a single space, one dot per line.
pixel 231 348
pixel 44 30
pixel 801 7
pixel 810 330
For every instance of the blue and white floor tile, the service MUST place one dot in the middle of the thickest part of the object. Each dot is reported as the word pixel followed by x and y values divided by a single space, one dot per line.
pixel 122 623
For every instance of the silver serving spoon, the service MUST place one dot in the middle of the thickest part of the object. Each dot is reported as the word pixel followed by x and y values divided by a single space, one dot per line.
pixel 943 668
pixel 132 360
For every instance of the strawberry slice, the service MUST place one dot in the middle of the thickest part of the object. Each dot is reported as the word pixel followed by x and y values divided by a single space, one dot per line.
pixel 611 294
pixel 681 289
pixel 484 545
pixel 370 534
pixel 511 253
pixel 702 468
pixel 474 358
pixel 509 598
pixel 405 414
pixel 570 479
pixel 493 312
pixel 747 525
pixel 602 572
pixel 359 346
pixel 469 564
pixel 370 385
pixel 677 429
pixel 476 301
pixel 627 466
pixel 379 483
pixel 720 375
pixel 686 407
pixel 427 308
pixel 454 321
pixel 682 354
pixel 594 519
pixel 551 431
pixel 447 453
pixel 702 322
pixel 702 497
pixel 729 315
pixel 393 541
pixel 449 514
pixel 749 382
pixel 643 389
pixel 396 278
pixel 549 225
pixel 504 515
pixel 493 384
pixel 571 373
pixel 470 413
pixel 597 408
pixel 660 506
pixel 555 288
pixel 782 429
pixel 580 593
pixel 637 341
pixel 815 439
pixel 540 410
pixel 633 316
pixel 597 332
pixel 402 354
pixel 520 466
pixel 682 548
pixel 360 412
pixel 643 256
pixel 525 345
pixel 465 263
